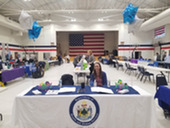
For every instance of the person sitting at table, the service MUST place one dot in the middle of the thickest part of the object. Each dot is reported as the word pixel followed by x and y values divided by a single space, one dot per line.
pixel 141 58
pixel 77 60
pixel 98 75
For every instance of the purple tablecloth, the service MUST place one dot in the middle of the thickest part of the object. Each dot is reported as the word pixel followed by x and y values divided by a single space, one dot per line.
pixel 9 75
pixel 134 61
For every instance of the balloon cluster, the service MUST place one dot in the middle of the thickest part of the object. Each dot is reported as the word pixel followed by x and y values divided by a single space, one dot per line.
pixel 35 31
pixel 120 85
pixel 129 13
pixel 45 86
pixel 26 22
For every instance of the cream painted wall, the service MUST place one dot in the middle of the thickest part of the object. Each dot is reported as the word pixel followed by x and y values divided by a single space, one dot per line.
pixel 111 41
pixel 139 37
pixel 48 35
pixel 9 36
pixel 164 39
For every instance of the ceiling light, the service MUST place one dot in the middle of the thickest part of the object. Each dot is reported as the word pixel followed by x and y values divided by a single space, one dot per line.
pixel 100 19
pixel 27 0
pixel 73 20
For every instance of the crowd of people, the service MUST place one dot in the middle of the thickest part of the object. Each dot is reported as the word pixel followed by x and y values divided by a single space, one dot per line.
pixel 23 61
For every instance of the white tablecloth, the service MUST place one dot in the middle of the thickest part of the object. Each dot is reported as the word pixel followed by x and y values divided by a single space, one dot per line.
pixel 116 111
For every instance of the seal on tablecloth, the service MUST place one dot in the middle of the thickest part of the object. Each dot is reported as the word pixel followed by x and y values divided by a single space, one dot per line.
pixel 84 110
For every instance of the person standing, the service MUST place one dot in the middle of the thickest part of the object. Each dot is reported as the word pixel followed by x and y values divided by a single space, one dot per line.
pixel 158 57
pixel 90 59
pixel 164 56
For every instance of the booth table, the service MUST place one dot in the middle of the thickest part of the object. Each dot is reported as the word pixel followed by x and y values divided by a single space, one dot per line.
pixel 84 73
pixel 158 69
pixel 54 62
pixel 12 74
pixel 114 110
pixel 163 95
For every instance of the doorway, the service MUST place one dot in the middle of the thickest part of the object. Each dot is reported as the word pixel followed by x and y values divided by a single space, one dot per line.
pixel 137 55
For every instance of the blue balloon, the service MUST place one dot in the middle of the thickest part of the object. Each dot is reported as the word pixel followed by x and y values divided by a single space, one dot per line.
pixel 129 13
pixel 35 31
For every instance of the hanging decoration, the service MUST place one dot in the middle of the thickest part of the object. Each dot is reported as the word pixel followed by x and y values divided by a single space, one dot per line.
pixel 35 31
pixel 129 13
pixel 25 20
pixel 135 25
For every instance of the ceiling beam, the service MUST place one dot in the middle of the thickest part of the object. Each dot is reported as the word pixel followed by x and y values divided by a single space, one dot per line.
pixel 148 10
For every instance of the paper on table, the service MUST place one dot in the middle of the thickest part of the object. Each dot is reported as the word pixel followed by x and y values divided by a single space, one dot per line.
pixel 168 86
pixel 101 89
pixel 36 92
pixel 67 89
pixel 52 92
pixel 123 91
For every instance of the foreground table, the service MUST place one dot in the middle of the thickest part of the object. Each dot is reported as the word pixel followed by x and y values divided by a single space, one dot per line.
pixel 103 110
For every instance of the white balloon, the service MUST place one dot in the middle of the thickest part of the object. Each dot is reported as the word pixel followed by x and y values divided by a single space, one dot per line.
pixel 135 25
pixel 25 20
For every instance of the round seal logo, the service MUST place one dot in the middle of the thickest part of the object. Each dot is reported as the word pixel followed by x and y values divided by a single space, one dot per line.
pixel 84 110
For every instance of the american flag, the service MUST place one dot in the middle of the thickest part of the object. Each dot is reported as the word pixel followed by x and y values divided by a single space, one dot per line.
pixel 159 32
pixel 80 43
pixel 76 39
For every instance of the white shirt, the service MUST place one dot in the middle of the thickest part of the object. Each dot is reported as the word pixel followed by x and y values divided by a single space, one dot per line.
pixel 167 59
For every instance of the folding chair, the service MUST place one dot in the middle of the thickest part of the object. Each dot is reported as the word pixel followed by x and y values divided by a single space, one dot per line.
pixel 160 80
pixel 146 74
pixel 119 65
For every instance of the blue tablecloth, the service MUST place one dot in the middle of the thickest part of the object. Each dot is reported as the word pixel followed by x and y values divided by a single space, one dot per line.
pixel 29 69
pixel 163 95
pixel 87 90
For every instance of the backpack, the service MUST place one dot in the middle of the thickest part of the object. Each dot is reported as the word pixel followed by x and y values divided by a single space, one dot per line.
pixel 67 79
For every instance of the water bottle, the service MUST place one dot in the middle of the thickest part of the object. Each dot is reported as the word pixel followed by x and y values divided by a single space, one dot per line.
pixel 108 83
pixel 60 83
pixel 91 83
pixel 95 83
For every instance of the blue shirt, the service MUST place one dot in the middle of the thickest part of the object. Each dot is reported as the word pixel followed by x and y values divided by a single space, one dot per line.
pixel 104 79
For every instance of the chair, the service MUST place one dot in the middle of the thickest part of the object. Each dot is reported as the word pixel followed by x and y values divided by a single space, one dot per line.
pixel 146 74
pixel 140 73
pixel 160 80
pixel 118 65
pixel 88 78
pixel 129 68
pixel 67 79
